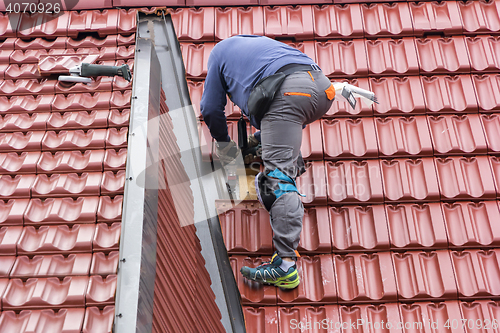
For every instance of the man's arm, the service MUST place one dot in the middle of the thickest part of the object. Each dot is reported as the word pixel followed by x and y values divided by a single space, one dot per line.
pixel 213 101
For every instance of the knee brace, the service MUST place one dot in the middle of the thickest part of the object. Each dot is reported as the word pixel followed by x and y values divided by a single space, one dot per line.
pixel 264 188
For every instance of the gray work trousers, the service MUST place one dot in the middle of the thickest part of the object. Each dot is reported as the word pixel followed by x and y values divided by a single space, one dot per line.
pixel 300 100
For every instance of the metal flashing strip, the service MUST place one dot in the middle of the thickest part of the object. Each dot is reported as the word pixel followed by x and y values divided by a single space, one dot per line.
pixel 137 267
pixel 206 183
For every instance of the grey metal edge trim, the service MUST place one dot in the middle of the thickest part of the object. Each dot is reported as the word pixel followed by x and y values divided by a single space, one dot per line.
pixel 137 265
pixel 231 291
pixel 174 83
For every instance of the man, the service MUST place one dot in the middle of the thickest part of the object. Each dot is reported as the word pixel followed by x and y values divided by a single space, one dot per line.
pixel 235 67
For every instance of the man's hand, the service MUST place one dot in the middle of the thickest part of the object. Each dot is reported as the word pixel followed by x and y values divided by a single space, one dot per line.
pixel 252 141
pixel 227 151
pixel 254 150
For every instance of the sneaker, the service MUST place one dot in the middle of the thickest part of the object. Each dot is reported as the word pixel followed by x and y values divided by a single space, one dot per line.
pixel 271 273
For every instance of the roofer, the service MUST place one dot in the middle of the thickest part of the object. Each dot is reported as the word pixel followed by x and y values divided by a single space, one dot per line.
pixel 280 89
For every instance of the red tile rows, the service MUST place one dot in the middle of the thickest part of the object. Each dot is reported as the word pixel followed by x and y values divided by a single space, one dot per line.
pixel 71 291
pixel 380 277
pixel 401 197
pixel 195 58
pixel 80 238
pixel 62 162
pixel 61 64
pixel 91 319
pixel 43 87
pixel 422 179
pixel 477 273
pixel 291 318
pixel 363 317
pixel 435 16
pixel 315 236
pixel 416 226
pixel 403 136
pixel 279 18
pixel 230 21
pixel 58 265
pixel 313 183
pixel 64 140
pixel 381 56
pixel 312 145
pixel 54 256
pixel 27 87
pixel 208 2
pixel 317 271
pixel 321 274
pixel 454 316
pixel 386 19
pixel 70 102
pixel 457 134
pixel 430 275
pixel 354 269
pixel 177 236
pixel 486 88
pixel 261 319
pixel 295 22
pixel 392 57
pixel 483 53
pixel 349 138
pixel 409 180
pixel 63 149
pixel 194 24
pixel 371 228
pixel 468 178
pixel 342 58
pixel 442 55
pixel 60 210
pixel 449 94
pixel 67 120
pixel 63 210
pixel 353 182
pixel 337 21
pixel 398 95
pixel 241 224
pixel 480 17
pixel 358 228
pixel 471 224
pixel 495 166
pixel 70 23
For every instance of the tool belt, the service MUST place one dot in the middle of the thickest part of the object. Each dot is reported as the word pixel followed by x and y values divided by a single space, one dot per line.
pixel 263 92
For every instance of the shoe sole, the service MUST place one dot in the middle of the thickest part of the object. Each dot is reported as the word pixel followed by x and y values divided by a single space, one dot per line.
pixel 289 284
pixel 283 283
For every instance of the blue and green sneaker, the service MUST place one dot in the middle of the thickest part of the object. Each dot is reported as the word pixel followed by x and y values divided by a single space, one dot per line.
pixel 271 273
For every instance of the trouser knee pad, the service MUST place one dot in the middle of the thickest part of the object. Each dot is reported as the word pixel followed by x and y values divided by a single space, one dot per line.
pixel 267 193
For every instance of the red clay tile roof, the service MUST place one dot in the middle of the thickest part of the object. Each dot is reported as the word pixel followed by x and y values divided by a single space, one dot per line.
pixel 62 161
pixel 184 304
pixel 402 211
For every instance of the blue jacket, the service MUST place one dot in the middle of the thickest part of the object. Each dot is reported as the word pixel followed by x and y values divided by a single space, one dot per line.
pixel 235 65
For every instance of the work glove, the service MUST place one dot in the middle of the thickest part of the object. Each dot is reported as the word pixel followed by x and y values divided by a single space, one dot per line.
pixel 252 141
pixel 227 151
pixel 254 151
